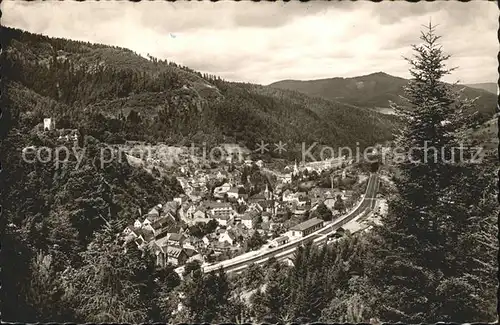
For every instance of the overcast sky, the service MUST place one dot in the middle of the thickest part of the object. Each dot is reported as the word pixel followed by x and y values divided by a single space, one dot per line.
pixel 266 42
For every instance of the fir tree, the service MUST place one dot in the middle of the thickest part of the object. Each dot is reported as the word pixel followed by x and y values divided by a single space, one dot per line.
pixel 207 296
pixel 112 285
pixel 418 262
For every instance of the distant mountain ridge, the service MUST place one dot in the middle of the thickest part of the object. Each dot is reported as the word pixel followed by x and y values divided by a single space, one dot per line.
pixel 492 87
pixel 374 91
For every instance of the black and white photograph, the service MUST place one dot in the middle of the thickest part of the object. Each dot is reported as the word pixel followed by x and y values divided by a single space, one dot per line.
pixel 249 162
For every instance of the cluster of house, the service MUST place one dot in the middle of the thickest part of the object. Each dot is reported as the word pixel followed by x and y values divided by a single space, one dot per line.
pixel 224 212
pixel 165 229
pixel 169 239
pixel 195 181
pixel 160 232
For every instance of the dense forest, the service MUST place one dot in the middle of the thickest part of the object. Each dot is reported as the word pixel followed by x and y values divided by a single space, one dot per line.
pixel 433 259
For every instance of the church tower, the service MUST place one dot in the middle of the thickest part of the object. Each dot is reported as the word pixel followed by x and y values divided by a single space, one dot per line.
pixel 295 169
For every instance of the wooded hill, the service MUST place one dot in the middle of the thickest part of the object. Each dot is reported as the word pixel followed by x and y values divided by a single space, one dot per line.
pixel 488 86
pixel 433 259
pixel 115 94
pixel 376 90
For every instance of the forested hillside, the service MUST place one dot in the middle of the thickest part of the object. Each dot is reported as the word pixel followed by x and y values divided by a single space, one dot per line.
pixel 69 213
pixel 114 94
pixel 50 215
pixel 377 90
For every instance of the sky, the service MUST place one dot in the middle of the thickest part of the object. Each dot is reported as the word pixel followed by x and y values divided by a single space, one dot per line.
pixel 266 42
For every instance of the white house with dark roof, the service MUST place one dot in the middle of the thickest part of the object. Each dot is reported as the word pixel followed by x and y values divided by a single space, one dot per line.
pixel 177 256
pixel 170 206
pixel 220 175
pixel 137 223
pixel 228 236
pixel 186 211
pixel 220 191
pixel 175 239
pixel 247 219
pixel 149 220
pixel 181 199
pixel 266 216
pixel 206 240
pixel 154 215
pixel 139 235
pixel 233 193
pixel 281 240
pixel 160 225
pixel 306 227
pixel 222 220
pixel 288 196
pixel 193 243
pixel 200 215
pixel 285 178
pixel 221 211
pixel 266 206
pixel 254 207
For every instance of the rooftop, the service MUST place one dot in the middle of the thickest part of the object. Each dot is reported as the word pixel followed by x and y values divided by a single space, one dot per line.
pixel 221 216
pixel 219 205
pixel 163 222
pixel 152 218
pixel 170 206
pixel 176 237
pixel 248 215
pixel 172 251
pixel 161 241
pixel 258 196
pixel 146 234
pixel 307 224
pixel 231 234
pixel 266 204
pixel 154 211
pixel 282 239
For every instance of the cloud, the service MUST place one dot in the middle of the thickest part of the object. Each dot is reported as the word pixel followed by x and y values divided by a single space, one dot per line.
pixel 265 42
pixel 394 12
pixel 459 13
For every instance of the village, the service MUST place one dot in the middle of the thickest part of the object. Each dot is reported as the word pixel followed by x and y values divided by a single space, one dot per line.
pixel 241 205
pixel 229 163
pixel 234 206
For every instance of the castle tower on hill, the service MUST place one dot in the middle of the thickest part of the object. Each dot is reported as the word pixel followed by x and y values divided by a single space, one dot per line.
pixel 48 124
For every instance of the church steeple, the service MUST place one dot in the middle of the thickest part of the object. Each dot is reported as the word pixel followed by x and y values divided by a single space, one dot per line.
pixel 295 169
